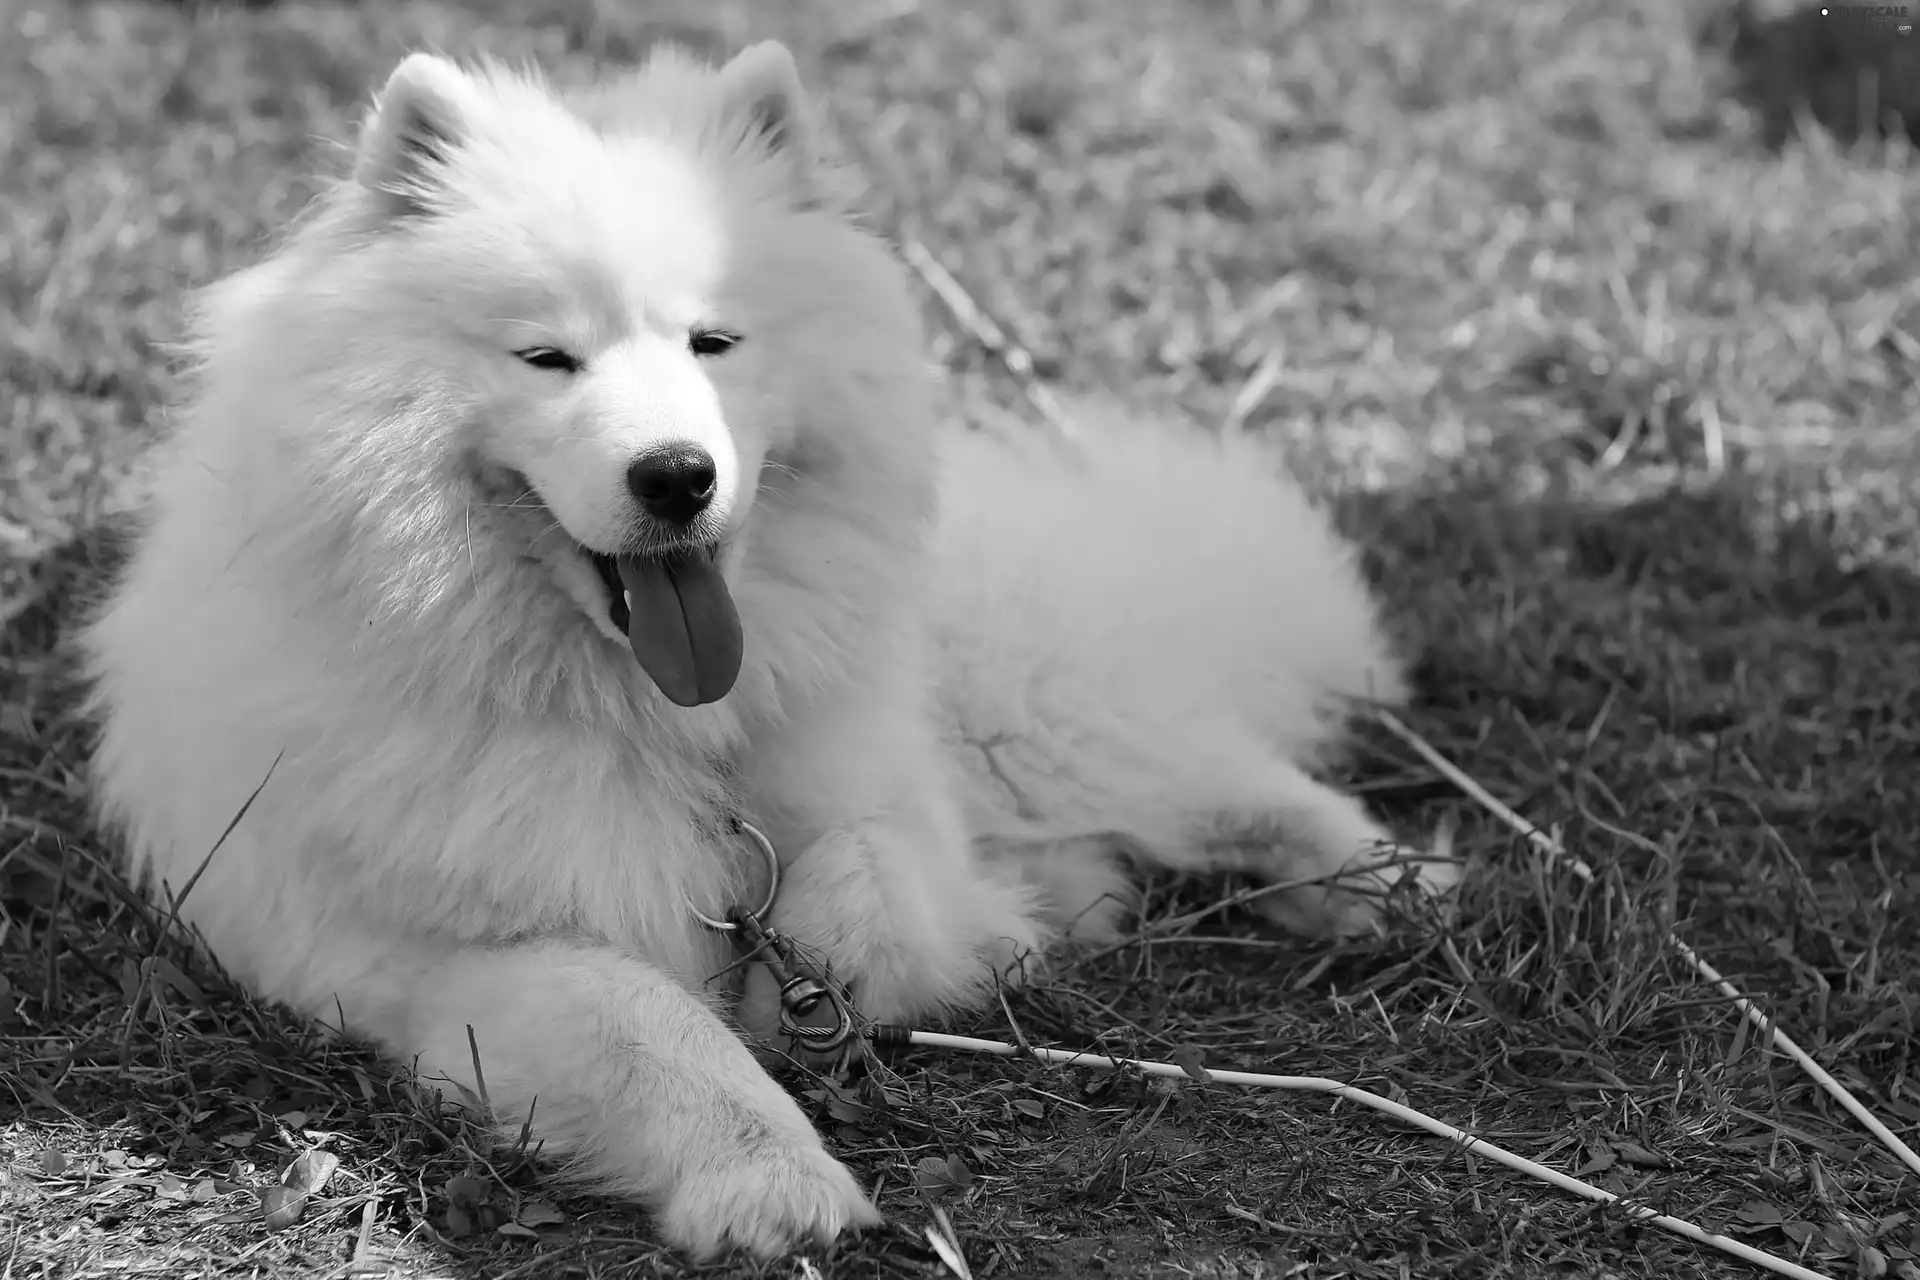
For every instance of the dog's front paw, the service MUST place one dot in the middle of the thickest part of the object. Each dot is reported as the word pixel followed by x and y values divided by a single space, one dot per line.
pixel 766 1201
pixel 909 936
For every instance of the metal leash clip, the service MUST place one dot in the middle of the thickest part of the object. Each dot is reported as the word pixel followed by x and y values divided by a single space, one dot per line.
pixel 804 987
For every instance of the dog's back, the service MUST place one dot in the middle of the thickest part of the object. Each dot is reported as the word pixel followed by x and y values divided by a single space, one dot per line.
pixel 1142 631
pixel 1176 577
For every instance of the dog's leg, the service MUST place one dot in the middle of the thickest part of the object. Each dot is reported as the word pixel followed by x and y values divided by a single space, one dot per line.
pixel 883 881
pixel 634 1084
pixel 1294 827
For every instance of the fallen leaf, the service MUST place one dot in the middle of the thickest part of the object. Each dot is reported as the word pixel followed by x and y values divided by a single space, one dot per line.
pixel 466 1191
pixel 1187 1058
pixel 1031 1107
pixel 847 1111
pixel 1870 1262
pixel 1760 1213
pixel 538 1213
pixel 1635 1154
pixel 310 1171
pixel 1602 1161
pixel 293 1119
pixel 1168 1087
pixel 286 1204
pixel 517 1231
pixel 282 1206
pixel 204 1192
pixel 238 1141
pixel 937 1177
pixel 171 1188
pixel 53 1163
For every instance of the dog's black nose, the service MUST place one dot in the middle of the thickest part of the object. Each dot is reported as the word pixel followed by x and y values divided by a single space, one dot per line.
pixel 674 482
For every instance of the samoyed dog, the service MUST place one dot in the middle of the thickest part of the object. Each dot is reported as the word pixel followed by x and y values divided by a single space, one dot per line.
pixel 568 488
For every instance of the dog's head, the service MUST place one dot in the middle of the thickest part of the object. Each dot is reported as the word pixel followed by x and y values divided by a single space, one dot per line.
pixel 630 317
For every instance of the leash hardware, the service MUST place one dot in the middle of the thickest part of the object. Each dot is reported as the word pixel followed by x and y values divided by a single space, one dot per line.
pixel 803 987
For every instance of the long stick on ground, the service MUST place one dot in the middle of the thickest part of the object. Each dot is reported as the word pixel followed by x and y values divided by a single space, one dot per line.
pixel 1764 1024
pixel 1420 1120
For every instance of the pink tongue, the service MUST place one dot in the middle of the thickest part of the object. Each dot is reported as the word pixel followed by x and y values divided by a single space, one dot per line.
pixel 683 626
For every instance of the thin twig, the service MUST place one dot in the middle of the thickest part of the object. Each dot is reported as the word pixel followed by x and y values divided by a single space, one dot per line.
pixel 1766 1025
pixel 987 332
pixel 177 901
pixel 1420 1120
pixel 1368 874
pixel 479 1076
pixel 1259 385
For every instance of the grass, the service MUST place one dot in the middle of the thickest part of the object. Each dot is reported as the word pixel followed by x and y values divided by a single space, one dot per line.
pixel 1614 378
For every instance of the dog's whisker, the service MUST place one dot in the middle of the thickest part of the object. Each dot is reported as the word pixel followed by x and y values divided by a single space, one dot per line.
pixel 473 566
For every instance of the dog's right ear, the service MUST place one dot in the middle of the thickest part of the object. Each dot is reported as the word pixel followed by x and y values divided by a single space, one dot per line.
pixel 424 114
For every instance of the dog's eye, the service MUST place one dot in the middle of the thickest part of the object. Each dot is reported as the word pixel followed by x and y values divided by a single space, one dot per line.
pixel 711 342
pixel 550 358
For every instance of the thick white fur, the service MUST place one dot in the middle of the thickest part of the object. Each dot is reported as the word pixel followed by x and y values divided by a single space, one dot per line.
pixel 1156 637
pixel 484 815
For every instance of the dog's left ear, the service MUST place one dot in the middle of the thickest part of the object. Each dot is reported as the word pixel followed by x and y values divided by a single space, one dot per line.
pixel 762 86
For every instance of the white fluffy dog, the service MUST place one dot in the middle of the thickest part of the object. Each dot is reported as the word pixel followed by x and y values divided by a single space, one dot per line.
pixel 566 487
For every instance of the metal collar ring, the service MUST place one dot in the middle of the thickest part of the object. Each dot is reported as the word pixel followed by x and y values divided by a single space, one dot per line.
pixel 773 882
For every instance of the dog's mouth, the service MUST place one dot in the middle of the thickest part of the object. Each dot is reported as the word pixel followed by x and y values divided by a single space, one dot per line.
pixel 679 618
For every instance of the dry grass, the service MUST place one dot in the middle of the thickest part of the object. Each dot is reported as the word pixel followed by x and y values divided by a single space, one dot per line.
pixel 1622 398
